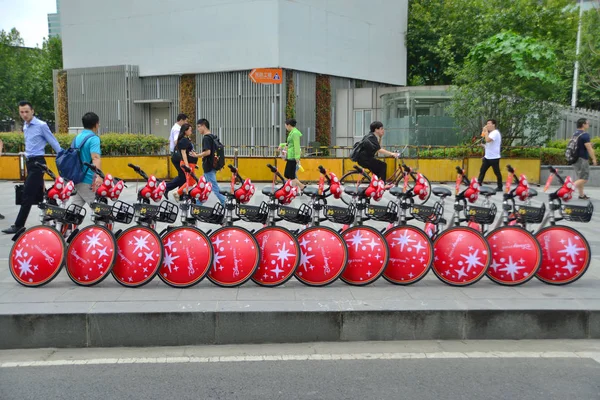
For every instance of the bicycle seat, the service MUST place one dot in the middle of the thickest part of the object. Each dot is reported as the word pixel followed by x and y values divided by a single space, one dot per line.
pixel 532 192
pixel 487 191
pixel 268 191
pixel 441 192
pixel 397 191
pixel 355 191
pixel 311 191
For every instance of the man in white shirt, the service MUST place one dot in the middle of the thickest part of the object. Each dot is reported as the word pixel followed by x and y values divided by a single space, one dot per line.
pixel 176 155
pixel 493 142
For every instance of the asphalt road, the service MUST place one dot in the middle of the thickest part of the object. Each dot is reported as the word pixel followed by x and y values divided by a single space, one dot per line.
pixel 504 378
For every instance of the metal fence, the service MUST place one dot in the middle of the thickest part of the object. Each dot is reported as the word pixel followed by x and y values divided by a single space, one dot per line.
pixel 568 123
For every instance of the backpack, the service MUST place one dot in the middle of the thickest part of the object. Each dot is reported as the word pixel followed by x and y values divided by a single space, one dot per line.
pixel 571 153
pixel 356 150
pixel 69 164
pixel 219 154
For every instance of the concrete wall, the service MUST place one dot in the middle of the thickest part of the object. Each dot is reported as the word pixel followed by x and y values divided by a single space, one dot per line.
pixel 359 39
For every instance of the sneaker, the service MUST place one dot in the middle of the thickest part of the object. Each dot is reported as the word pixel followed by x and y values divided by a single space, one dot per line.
pixel 1 216
pixel 176 196
pixel 584 197
pixel 12 230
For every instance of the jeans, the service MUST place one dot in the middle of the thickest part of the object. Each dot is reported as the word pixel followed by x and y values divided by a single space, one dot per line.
pixel 33 190
pixel 485 165
pixel 211 177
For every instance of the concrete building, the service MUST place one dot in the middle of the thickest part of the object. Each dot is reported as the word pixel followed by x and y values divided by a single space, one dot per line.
pixel 54 22
pixel 124 59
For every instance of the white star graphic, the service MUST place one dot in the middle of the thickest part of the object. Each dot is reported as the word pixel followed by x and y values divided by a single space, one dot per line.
pixel 356 240
pixel 141 243
pixel 282 255
pixel 511 268
pixel 571 250
pixel 277 271
pixel 304 260
pixel 169 244
pixel 372 244
pixel 217 260
pixel 102 253
pixel 494 265
pixel 472 260
pixel 570 267
pixel 25 266
pixel 418 247
pixel 218 242
pixel 149 256
pixel 93 241
pixel 19 253
pixel 169 260
pixel 461 272
pixel 403 240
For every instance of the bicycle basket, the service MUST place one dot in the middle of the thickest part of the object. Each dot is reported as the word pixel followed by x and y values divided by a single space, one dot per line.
pixel 102 210
pixel 146 211
pixel 341 215
pixel 531 215
pixel 431 214
pixel 75 214
pixel 387 213
pixel 209 215
pixel 167 212
pixel 258 214
pixel 481 215
pixel 122 212
pixel 299 216
pixel 577 213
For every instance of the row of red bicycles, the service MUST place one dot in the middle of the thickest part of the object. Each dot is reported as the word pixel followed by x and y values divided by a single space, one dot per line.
pixel 460 251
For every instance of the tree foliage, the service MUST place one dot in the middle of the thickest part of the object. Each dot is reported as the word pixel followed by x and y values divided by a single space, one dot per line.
pixel 513 79
pixel 589 59
pixel 26 74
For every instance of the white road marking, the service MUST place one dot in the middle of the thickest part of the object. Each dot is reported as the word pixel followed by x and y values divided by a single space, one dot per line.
pixel 305 357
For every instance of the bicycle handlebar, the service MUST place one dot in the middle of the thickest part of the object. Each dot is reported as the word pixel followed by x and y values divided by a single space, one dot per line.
pixel 235 171
pixel 95 169
pixel 187 169
pixel 324 173
pixel 138 170
pixel 276 172
pixel 555 172
pixel 461 172
pixel 46 169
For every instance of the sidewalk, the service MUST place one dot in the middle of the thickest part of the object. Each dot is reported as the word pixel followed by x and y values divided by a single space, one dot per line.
pixel 61 314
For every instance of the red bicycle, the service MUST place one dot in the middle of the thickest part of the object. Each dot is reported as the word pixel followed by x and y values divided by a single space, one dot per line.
pixel 39 252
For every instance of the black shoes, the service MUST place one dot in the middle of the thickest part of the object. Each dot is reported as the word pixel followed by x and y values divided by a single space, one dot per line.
pixel 1 216
pixel 12 230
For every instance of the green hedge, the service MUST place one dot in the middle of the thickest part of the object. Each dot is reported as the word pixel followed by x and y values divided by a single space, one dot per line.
pixel 111 143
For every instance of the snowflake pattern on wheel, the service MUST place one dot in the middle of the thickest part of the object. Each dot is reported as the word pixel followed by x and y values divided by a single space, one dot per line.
pixel 411 254
pixel 461 256
pixel 367 255
pixel 565 255
pixel 236 256
pixel 323 256
pixel 91 255
pixel 516 256
pixel 279 256
pixel 188 257
pixel 37 256
pixel 140 255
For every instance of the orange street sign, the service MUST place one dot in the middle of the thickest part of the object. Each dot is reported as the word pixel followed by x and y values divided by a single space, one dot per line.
pixel 266 75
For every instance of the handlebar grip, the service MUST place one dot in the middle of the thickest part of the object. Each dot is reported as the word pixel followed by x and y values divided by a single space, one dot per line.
pixel 322 170
pixel 459 170
pixel 186 168
pixel 406 168
pixel 510 169
pixel 232 168
pixel 272 168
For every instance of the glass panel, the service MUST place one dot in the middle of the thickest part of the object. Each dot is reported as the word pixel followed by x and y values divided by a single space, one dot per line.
pixel 368 120
pixel 358 124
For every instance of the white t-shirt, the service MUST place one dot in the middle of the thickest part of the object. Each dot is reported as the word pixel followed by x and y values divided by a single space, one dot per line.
pixel 492 149
pixel 173 136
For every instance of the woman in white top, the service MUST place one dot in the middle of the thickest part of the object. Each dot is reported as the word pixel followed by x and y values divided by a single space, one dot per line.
pixel 493 141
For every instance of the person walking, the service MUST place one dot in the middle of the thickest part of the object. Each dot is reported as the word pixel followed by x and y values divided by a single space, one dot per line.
pixel 189 158
pixel 493 141
pixel 370 147
pixel 37 136
pixel 1 150
pixel 176 155
pixel 585 150
pixel 292 150
pixel 88 143
pixel 208 154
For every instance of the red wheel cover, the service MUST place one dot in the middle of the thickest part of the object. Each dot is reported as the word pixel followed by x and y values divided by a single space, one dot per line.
pixel 188 256
pixel 91 255
pixel 140 254
pixel 368 255
pixel 279 256
pixel 236 256
pixel 411 254
pixel 516 256
pixel 37 255
pixel 323 256
pixel 461 256
pixel 565 255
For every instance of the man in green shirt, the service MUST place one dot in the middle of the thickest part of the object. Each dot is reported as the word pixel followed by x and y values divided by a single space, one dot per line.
pixel 292 149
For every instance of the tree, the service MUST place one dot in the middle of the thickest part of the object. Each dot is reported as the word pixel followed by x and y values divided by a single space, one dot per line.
pixel 441 33
pixel 589 59
pixel 513 79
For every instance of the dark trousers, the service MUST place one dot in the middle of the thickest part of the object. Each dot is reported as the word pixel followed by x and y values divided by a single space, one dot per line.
pixel 180 178
pixel 485 165
pixel 376 166
pixel 33 189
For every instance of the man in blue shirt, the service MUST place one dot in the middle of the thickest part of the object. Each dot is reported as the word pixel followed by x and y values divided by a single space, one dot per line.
pixel 89 153
pixel 37 136
pixel 584 151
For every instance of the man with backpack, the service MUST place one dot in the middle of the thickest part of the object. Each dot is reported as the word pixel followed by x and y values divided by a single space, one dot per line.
pixel 88 144
pixel 584 151
pixel 213 158
pixel 364 152
pixel 37 136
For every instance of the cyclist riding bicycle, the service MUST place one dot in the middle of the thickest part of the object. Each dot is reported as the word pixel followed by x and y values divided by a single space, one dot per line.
pixel 369 146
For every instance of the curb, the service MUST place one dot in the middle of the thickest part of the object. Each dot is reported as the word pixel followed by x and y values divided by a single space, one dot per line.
pixel 200 328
